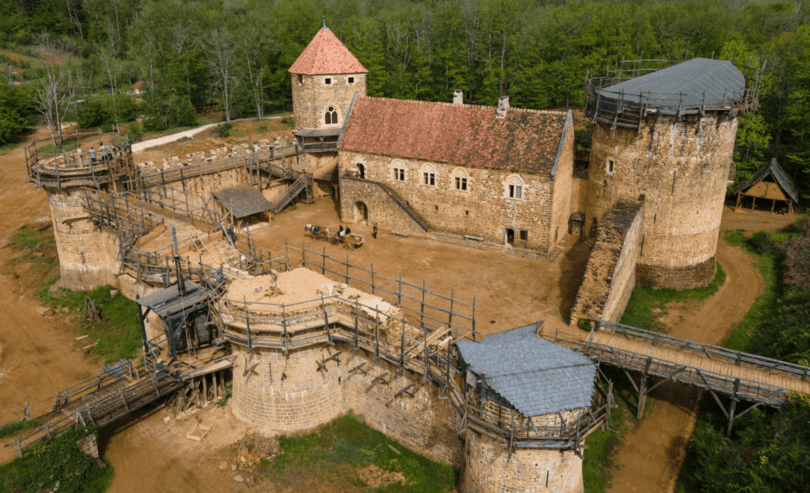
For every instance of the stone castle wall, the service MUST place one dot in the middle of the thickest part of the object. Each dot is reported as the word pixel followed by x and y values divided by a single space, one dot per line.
pixel 482 210
pixel 489 469
pixel 563 185
pixel 610 274
pixel 380 207
pixel 681 167
pixel 312 97
pixel 87 255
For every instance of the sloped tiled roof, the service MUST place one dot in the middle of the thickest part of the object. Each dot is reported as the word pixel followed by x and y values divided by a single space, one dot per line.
pixel 242 200
pixel 533 375
pixel 782 178
pixel 524 140
pixel 326 55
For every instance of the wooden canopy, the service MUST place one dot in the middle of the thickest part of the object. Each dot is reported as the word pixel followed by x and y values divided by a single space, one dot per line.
pixel 770 182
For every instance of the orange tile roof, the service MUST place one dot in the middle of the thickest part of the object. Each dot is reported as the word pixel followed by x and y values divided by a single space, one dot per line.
pixel 326 55
pixel 522 141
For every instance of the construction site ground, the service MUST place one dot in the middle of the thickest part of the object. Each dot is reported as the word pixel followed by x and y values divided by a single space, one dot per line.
pixel 38 353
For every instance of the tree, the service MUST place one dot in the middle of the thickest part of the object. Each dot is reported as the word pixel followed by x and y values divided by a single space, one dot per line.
pixel 221 53
pixel 56 88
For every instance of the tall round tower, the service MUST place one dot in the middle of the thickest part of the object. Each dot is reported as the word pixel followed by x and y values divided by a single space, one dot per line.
pixel 87 255
pixel 667 138
pixel 326 78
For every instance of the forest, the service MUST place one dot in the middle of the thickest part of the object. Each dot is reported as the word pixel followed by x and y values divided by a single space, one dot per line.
pixel 235 54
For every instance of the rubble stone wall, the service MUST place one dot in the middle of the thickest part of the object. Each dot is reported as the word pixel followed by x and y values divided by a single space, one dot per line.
pixel 681 166
pixel 312 96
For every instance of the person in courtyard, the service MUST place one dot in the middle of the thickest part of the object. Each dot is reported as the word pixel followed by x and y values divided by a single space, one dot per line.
pixel 374 231
pixel 92 155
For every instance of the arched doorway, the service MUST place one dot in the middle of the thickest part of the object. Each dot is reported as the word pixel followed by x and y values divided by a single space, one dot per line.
pixel 360 212
pixel 361 170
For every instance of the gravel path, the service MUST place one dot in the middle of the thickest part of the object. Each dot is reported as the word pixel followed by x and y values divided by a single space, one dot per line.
pixel 146 144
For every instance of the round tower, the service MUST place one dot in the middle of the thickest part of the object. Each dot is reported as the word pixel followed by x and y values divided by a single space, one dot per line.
pixel 667 138
pixel 326 77
pixel 95 162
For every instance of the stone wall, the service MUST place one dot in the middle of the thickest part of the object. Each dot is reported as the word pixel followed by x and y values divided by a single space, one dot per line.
pixel 611 271
pixel 312 97
pixel 87 255
pixel 562 184
pixel 489 469
pixel 379 207
pixel 482 210
pixel 681 166
pixel 291 395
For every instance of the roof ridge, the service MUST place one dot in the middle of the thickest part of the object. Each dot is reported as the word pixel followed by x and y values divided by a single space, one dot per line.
pixel 466 105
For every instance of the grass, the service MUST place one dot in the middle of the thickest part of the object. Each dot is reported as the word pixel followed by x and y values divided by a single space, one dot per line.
pixel 20 140
pixel 119 333
pixel 337 449
pixel 56 460
pixel 67 146
pixel 603 444
pixel 18 427
pixel 769 271
pixel 647 304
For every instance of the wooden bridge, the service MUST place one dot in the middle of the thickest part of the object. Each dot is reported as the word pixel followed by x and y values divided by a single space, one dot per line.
pixel 742 376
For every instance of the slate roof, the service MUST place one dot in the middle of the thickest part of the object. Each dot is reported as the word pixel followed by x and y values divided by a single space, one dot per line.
pixel 532 374
pixel 242 200
pixel 718 79
pixel 326 55
pixel 523 141
pixel 782 178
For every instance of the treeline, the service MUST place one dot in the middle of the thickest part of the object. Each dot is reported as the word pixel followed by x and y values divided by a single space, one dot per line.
pixel 236 53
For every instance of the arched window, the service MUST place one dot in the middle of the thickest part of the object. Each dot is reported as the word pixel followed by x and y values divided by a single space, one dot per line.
pixel 361 170
pixel 514 187
pixel 460 180
pixel 399 170
pixel 429 175
pixel 331 117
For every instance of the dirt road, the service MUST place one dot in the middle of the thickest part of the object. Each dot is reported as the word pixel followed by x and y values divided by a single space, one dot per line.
pixel 37 354
pixel 653 454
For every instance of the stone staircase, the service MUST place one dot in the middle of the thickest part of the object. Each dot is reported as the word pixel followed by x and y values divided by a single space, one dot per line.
pixel 417 218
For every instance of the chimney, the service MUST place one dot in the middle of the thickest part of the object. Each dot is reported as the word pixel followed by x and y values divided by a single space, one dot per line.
pixel 503 106
pixel 458 97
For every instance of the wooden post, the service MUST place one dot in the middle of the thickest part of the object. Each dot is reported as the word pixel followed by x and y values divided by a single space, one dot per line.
pixel 733 406
pixel 753 202
pixel 373 288
pixel 323 267
pixel 473 319
pixel 347 270
pixel 399 294
pixel 205 390
pixel 450 317
pixel 422 309
pixel 773 205
pixel 642 389
pixel 287 256
pixel 303 254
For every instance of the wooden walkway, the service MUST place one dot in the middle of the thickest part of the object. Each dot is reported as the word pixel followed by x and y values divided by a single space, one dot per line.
pixel 742 376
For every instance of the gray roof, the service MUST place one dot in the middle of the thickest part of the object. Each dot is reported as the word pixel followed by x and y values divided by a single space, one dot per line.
pixel 318 132
pixel 718 80
pixel 168 302
pixel 534 375
pixel 782 178
pixel 242 200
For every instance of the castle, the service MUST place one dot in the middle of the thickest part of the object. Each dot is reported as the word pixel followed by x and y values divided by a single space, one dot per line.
pixel 500 178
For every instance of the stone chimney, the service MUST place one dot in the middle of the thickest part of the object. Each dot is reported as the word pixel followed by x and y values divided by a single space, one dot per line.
pixel 458 97
pixel 503 106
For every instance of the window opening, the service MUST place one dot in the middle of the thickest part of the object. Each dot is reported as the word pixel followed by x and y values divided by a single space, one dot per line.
pixel 300 79
pixel 461 183
pixel 610 166
pixel 430 178
pixel 351 80
pixel 399 172
pixel 524 235
pixel 331 116
pixel 327 81
pixel 361 170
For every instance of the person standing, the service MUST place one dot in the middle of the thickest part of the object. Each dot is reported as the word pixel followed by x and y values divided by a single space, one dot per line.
pixel 374 231
pixel 92 156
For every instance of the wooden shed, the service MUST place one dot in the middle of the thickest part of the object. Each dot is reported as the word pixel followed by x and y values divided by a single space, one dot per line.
pixel 769 183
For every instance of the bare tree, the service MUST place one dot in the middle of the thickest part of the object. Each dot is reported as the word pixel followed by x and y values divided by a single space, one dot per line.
pixel 221 53
pixel 251 44
pixel 8 68
pixel 56 89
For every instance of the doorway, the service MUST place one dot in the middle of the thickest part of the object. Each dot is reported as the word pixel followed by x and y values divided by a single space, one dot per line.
pixel 510 237
pixel 361 170
pixel 360 212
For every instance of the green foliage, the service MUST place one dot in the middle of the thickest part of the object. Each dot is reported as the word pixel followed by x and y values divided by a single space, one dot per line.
pixel 338 448
pixel 56 460
pixel 13 112
pixel 18 427
pixel 228 394
pixel 183 114
pixel 646 304
pixel 583 137
pixel 224 130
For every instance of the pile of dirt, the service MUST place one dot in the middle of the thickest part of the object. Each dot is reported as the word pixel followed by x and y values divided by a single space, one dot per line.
pixel 375 477
pixel 248 454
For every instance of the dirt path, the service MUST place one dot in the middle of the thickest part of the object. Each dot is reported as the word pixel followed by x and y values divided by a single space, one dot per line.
pixel 653 454
pixel 37 354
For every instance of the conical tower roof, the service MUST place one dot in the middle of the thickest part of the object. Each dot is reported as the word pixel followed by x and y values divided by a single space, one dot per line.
pixel 326 55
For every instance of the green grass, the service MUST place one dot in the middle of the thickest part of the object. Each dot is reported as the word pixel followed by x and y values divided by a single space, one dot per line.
pixel 337 449
pixel 118 334
pixel 603 444
pixel 66 147
pixel 18 427
pixel 646 304
pixel 56 460
pixel 769 271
